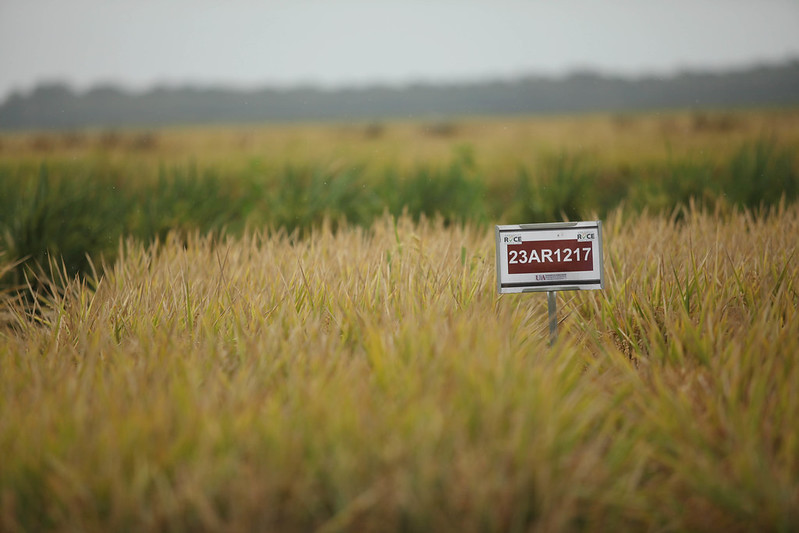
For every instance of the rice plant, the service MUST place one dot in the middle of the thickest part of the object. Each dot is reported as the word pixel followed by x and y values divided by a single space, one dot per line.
pixel 370 378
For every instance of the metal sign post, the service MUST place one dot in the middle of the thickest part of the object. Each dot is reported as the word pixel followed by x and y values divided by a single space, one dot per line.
pixel 564 256
pixel 552 308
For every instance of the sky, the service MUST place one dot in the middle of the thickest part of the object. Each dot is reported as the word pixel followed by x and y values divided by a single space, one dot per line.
pixel 333 43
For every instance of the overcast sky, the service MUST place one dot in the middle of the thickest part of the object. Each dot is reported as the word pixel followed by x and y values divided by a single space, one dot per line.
pixel 249 43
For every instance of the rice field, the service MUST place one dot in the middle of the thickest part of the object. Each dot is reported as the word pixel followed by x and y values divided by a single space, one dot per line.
pixel 368 377
pixel 372 379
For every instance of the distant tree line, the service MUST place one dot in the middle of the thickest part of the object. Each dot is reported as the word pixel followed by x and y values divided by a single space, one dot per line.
pixel 56 105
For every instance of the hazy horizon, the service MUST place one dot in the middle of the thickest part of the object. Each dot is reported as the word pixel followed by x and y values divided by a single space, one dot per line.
pixel 356 43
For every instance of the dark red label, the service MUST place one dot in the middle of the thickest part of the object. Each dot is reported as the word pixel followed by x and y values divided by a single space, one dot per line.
pixel 532 257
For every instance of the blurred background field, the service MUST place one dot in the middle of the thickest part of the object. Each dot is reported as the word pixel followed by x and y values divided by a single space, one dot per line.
pixel 499 145
pixel 75 194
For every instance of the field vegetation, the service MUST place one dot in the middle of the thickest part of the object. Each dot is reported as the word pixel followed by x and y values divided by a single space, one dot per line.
pixel 73 194
pixel 297 328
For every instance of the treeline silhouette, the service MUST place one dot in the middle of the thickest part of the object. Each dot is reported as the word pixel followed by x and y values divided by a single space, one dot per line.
pixel 56 105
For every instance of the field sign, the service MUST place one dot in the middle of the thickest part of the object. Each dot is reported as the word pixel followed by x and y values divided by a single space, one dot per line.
pixel 564 256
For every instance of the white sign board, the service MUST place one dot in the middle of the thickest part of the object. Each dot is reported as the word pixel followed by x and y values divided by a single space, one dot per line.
pixel 564 256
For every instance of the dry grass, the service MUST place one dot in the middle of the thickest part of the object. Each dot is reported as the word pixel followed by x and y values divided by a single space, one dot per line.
pixel 373 380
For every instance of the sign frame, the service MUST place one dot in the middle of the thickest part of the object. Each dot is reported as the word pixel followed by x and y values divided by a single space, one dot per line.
pixel 555 280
